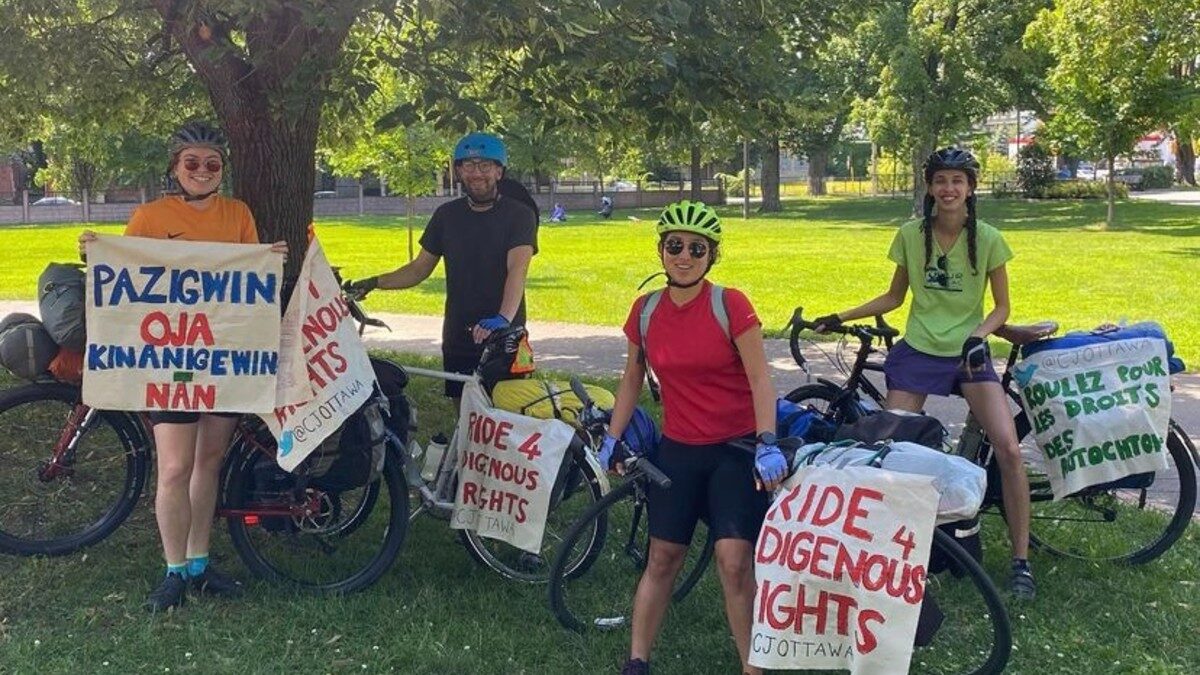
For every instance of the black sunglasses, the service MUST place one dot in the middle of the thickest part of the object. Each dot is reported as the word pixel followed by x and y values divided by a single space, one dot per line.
pixel 674 246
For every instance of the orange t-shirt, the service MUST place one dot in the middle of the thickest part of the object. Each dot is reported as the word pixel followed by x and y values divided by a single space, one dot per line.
pixel 225 220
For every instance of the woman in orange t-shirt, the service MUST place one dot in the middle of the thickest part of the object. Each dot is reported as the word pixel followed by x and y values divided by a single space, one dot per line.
pixel 191 446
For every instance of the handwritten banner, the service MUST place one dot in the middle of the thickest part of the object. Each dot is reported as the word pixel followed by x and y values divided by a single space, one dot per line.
pixel 180 325
pixel 325 373
pixel 507 467
pixel 1100 412
pixel 840 570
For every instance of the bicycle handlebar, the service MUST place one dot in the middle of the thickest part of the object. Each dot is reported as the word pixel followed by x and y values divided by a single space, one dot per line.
pixel 640 464
pixel 863 332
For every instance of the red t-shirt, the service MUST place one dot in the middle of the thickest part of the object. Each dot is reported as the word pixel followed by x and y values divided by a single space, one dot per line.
pixel 705 392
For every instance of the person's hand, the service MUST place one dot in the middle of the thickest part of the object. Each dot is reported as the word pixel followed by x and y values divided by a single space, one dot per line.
pixel 975 354
pixel 281 248
pixel 613 453
pixel 770 464
pixel 85 237
pixel 480 331
pixel 827 322
pixel 362 287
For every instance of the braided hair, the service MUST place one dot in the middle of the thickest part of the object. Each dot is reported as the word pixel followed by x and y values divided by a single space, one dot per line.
pixel 971 226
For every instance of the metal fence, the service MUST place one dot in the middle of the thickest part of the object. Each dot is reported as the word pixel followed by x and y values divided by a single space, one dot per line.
pixel 884 184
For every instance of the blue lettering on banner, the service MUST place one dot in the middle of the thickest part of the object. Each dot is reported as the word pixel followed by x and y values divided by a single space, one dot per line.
pixel 198 359
pixel 155 285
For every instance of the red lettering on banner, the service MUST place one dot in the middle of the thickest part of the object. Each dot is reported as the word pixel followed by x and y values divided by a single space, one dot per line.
pixel 867 642
pixel 156 329
pixel 829 511
pixel 530 447
pixel 469 492
pixel 181 396
pixel 907 543
pixel 855 510
pixel 312 289
pixel 501 434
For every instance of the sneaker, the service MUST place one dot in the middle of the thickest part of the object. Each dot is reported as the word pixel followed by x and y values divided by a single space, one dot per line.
pixel 212 582
pixel 636 667
pixel 172 592
pixel 1021 583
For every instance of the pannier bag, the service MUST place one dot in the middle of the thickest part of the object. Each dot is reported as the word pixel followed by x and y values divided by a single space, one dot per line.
pixel 795 421
pixel 960 483
pixel 352 456
pixel 392 380
pixel 26 348
pixel 1144 329
pixel 895 425
pixel 61 303
pixel 546 399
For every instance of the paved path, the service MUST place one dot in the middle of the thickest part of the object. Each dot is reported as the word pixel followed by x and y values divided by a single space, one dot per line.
pixel 600 350
pixel 1177 197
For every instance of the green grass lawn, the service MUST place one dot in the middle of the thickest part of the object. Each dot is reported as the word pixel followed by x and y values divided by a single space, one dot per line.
pixel 824 254
pixel 437 612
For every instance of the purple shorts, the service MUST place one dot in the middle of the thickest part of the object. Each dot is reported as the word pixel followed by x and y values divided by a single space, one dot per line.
pixel 907 369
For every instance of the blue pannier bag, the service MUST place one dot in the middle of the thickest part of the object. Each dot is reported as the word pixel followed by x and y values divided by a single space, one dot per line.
pixel 1080 338
pixel 795 421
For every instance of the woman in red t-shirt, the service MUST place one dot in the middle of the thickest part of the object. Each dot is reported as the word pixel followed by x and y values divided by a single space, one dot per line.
pixel 715 389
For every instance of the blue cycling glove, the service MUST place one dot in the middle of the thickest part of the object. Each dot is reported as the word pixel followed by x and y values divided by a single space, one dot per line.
pixel 496 322
pixel 770 463
pixel 612 451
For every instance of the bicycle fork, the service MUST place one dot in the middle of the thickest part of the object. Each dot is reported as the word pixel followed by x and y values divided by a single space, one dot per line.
pixel 63 454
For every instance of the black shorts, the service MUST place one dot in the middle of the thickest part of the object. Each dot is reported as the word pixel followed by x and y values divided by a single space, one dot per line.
pixel 180 417
pixel 713 482
pixel 459 362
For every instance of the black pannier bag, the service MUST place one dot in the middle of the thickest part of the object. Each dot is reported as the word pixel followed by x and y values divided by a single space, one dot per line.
pixel 887 425
pixel 61 304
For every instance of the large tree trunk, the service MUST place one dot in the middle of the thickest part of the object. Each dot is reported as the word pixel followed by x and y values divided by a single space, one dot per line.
pixel 920 153
pixel 695 170
pixel 818 164
pixel 267 87
pixel 770 177
pixel 1185 158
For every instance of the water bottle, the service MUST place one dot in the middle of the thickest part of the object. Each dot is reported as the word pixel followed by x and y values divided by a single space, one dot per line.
pixel 433 457
pixel 971 439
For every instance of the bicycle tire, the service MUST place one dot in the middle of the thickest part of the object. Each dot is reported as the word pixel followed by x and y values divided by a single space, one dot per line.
pixel 976 636
pixel 105 475
pixel 602 598
pixel 577 488
pixel 1117 523
pixel 368 524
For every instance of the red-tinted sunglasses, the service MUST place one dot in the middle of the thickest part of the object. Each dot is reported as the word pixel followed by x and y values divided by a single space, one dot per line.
pixel 210 165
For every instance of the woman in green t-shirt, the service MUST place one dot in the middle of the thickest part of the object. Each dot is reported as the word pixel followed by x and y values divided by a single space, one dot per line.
pixel 948 259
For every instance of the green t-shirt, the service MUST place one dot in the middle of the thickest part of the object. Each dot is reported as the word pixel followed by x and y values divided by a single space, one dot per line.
pixel 947 295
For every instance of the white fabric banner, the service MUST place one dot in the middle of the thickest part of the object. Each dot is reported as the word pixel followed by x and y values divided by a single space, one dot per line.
pixel 840 570
pixel 181 325
pixel 507 464
pixel 325 373
pixel 1099 412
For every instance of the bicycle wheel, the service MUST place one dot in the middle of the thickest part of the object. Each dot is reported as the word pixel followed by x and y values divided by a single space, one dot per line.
pixel 975 635
pixel 88 494
pixel 344 543
pixel 576 489
pixel 1132 521
pixel 819 396
pixel 602 597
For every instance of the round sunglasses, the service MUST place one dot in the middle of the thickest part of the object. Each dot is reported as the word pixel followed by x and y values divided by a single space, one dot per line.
pixel 212 165
pixel 674 246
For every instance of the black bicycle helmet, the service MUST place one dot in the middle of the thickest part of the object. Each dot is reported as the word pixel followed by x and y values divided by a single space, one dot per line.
pixel 952 158
pixel 198 134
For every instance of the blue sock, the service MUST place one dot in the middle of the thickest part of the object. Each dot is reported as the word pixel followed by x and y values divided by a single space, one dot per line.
pixel 197 565
pixel 180 569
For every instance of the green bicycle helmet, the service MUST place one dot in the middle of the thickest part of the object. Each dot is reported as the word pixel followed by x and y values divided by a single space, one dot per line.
pixel 689 216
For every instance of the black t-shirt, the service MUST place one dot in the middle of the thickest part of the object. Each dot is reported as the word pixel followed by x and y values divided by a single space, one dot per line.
pixel 475 246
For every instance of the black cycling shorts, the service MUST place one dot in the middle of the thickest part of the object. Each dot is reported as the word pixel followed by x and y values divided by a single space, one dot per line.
pixel 181 417
pixel 713 482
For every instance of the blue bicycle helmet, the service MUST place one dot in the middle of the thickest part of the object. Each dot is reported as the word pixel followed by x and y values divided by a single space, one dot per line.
pixel 481 145
pixel 641 435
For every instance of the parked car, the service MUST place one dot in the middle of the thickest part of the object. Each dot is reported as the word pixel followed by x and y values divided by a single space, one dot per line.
pixel 325 194
pixel 55 201
pixel 622 186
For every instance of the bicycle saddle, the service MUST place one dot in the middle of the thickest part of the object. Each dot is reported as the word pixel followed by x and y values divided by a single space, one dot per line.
pixel 1021 335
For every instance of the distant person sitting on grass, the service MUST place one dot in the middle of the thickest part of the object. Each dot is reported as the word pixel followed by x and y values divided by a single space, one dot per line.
pixel 559 214
pixel 606 206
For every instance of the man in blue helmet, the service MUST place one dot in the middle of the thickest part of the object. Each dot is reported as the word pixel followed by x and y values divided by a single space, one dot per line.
pixel 487 240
